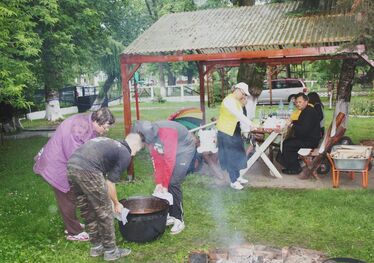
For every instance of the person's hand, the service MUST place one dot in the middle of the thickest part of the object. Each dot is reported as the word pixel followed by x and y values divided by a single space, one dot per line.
pixel 245 135
pixel 288 122
pixel 117 207
pixel 158 188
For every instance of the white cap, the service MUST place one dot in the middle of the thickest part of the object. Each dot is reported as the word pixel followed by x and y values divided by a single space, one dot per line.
pixel 243 87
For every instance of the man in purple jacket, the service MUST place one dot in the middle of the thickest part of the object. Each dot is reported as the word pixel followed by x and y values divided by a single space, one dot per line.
pixel 51 162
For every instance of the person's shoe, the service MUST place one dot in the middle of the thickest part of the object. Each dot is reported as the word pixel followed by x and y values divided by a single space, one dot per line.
pixel 82 225
pixel 236 186
pixel 170 220
pixel 83 236
pixel 116 254
pixel 97 251
pixel 177 227
pixel 242 180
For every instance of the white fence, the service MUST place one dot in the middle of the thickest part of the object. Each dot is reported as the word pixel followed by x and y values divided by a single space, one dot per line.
pixel 184 92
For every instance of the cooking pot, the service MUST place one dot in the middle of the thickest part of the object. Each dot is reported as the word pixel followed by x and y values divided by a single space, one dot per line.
pixel 146 220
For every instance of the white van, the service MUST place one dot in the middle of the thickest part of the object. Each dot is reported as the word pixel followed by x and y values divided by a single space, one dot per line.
pixel 281 90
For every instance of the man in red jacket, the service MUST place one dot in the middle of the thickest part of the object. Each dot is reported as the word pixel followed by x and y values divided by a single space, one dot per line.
pixel 172 148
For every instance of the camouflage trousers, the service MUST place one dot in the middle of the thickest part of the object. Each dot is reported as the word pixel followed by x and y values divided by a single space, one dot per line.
pixel 92 199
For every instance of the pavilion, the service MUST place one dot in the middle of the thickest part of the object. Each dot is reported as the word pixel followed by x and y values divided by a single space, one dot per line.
pixel 271 33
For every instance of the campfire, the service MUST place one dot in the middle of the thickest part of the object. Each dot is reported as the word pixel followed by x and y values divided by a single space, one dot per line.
pixel 250 253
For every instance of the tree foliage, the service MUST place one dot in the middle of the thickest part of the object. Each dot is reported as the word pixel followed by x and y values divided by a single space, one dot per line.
pixel 72 42
pixel 20 46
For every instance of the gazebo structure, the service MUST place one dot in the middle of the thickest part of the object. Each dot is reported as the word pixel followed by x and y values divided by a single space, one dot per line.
pixel 230 36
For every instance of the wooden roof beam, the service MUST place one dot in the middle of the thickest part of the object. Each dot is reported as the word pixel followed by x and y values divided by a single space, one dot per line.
pixel 257 54
pixel 277 61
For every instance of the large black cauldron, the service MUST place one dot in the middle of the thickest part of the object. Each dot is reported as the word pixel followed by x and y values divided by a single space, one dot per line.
pixel 146 219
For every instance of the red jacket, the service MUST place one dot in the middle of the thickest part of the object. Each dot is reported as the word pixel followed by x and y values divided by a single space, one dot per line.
pixel 164 155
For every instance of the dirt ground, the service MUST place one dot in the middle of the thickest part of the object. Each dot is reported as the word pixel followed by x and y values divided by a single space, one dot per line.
pixel 259 176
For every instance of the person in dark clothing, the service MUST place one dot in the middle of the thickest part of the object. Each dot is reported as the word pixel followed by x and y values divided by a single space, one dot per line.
pixel 172 149
pixel 93 170
pixel 306 135
pixel 315 100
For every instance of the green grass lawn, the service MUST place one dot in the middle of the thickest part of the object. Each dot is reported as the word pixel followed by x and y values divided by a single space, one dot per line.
pixel 338 222
pixel 335 221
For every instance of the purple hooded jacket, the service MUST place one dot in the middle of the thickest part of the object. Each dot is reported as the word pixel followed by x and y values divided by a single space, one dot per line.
pixel 51 161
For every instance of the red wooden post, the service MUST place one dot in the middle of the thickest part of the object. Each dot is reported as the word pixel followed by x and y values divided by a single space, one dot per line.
pixel 202 91
pixel 269 77
pixel 136 100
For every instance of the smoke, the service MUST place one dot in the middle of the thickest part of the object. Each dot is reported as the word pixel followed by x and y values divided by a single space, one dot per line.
pixel 225 234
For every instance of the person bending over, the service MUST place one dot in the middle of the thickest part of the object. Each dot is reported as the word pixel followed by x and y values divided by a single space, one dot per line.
pixel 172 148
pixel 93 170
pixel 51 162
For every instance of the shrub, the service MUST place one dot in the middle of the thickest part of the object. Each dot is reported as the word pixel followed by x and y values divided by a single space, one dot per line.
pixel 362 107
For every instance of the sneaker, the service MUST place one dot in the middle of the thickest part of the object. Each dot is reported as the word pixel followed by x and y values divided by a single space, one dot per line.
pixel 177 227
pixel 79 237
pixel 82 225
pixel 236 186
pixel 97 251
pixel 116 254
pixel 242 180
pixel 170 220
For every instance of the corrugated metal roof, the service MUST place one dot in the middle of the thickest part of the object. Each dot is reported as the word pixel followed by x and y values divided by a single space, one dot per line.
pixel 246 28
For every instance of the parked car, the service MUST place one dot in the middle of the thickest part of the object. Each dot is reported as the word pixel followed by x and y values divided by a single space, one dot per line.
pixel 281 90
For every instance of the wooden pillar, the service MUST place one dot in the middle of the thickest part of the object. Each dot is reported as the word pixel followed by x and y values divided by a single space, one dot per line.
pixel 269 78
pixel 127 111
pixel 207 89
pixel 126 75
pixel 136 100
pixel 202 90
pixel 126 98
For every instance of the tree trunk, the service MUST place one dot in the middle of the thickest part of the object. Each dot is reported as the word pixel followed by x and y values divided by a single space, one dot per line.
pixel 53 80
pixel 288 70
pixel 106 87
pixel 344 88
pixel 52 106
pixel 171 77
pixel 161 80
pixel 104 101
pixel 243 2
pixel 253 75
pixel 189 73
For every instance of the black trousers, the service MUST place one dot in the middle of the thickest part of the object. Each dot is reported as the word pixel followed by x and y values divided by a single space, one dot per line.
pixel 289 157
pixel 182 163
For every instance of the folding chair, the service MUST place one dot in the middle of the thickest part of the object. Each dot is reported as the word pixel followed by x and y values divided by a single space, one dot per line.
pixel 314 157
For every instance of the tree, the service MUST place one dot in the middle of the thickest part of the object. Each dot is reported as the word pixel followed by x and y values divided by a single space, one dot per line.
pixel 70 44
pixel 19 50
pixel 19 47
pixel 252 74
pixel 155 10
pixel 110 64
